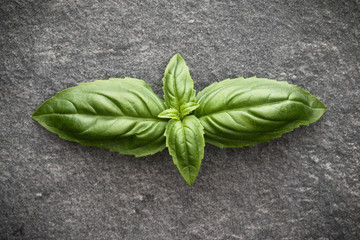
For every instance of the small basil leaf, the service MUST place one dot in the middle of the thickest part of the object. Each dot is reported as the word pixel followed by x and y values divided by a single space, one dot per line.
pixel 243 112
pixel 170 113
pixel 117 114
pixel 187 108
pixel 185 141
pixel 178 85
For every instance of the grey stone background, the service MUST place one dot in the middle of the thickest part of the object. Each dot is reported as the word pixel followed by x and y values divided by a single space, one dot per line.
pixel 304 185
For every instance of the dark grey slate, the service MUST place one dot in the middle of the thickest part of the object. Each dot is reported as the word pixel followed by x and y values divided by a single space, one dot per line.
pixel 304 185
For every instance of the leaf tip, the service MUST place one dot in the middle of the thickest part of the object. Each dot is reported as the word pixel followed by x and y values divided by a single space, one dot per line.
pixel 323 106
pixel 35 115
pixel 178 57
pixel 190 181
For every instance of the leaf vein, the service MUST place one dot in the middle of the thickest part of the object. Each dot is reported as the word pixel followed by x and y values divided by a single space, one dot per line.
pixel 106 116
pixel 258 105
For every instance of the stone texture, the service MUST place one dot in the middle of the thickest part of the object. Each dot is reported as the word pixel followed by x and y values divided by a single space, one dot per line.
pixel 304 185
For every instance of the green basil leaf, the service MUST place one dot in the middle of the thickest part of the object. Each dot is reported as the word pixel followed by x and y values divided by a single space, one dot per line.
pixel 187 108
pixel 117 114
pixel 178 85
pixel 170 113
pixel 185 141
pixel 242 112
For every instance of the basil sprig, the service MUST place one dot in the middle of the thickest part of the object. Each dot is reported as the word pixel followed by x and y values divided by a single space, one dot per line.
pixel 126 116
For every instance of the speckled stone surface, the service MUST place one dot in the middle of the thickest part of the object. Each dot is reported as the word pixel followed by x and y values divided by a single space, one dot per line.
pixel 304 185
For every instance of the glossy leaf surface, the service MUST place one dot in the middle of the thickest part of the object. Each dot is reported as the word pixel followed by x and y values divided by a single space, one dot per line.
pixel 185 141
pixel 178 85
pixel 187 108
pixel 170 113
pixel 118 114
pixel 242 112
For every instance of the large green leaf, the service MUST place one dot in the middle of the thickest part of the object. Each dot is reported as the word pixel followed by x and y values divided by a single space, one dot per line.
pixel 185 141
pixel 178 85
pixel 118 114
pixel 242 112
